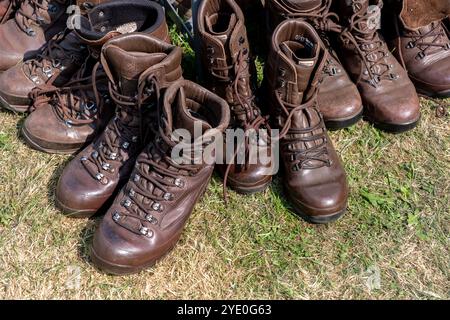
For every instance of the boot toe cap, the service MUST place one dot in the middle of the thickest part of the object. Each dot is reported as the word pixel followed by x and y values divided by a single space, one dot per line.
pixel 78 194
pixel 340 107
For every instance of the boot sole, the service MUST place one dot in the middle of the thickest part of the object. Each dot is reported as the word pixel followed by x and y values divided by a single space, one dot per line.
pixel 394 128
pixel 29 141
pixel 319 219
pixel 342 124
pixel 253 189
pixel 121 270
pixel 437 95
pixel 74 213
pixel 12 107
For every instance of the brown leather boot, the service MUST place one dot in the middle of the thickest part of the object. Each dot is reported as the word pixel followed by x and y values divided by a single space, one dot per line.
pixel 390 100
pixel 7 9
pixel 67 118
pixel 419 40
pixel 314 179
pixel 138 67
pixel 35 23
pixel 339 99
pixel 149 214
pixel 227 67
pixel 61 57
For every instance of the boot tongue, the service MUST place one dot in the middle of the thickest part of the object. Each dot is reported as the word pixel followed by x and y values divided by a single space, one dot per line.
pixel 126 67
pixel 372 19
pixel 186 117
pixel 304 58
pixel 221 25
pixel 302 5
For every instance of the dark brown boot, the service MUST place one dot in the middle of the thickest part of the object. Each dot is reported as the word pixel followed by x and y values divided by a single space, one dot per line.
pixel 227 67
pixel 390 100
pixel 149 214
pixel 314 178
pixel 419 40
pixel 138 67
pixel 339 99
pixel 35 23
pixel 67 118
pixel 61 57
pixel 7 9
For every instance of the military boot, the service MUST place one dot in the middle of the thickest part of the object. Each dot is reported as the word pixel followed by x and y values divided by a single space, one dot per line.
pixel 7 9
pixel 390 100
pixel 60 58
pixel 35 23
pixel 138 67
pixel 67 118
pixel 418 37
pixel 149 214
pixel 228 69
pixel 314 179
pixel 339 99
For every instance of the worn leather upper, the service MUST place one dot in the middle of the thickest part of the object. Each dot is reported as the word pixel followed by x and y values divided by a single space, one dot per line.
pixel 313 175
pixel 138 67
pixel 387 92
pixel 35 23
pixel 148 215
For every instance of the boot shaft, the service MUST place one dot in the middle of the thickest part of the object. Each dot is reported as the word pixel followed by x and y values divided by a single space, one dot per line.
pixel 224 48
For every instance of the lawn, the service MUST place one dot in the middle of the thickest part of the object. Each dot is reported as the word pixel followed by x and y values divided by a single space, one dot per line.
pixel 392 243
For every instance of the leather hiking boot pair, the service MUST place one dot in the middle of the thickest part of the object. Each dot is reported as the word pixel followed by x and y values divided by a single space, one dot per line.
pixel 138 68
pixel 339 99
pixel 35 23
pixel 150 212
pixel 314 179
pixel 66 118
pixel 7 9
pixel 230 73
pixel 420 40
pixel 390 100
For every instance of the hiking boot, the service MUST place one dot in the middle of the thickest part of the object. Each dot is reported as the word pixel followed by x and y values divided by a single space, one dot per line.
pixel 228 69
pixel 389 97
pixel 138 67
pixel 66 119
pixel 339 99
pixel 61 57
pixel 314 179
pixel 150 212
pixel 35 23
pixel 420 42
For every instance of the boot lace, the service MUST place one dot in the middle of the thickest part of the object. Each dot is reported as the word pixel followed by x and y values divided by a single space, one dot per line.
pixel 72 103
pixel 25 20
pixel 371 48
pixel 435 38
pixel 121 134
pixel 148 188
pixel 42 67
pixel 8 11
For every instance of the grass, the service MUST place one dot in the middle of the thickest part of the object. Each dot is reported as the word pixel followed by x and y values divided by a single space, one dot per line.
pixel 397 227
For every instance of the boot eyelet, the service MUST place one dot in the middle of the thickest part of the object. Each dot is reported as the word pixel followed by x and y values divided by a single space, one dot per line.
pixel 125 145
pixel 101 14
pixel 282 71
pixel 116 216
pixel 241 40
pixel 136 178
pixel 245 51
pixel 68 123
pixel 410 45
pixel 157 206
pixel 179 183
pixel 420 55
pixel 168 196
pixel 127 203
pixel 150 218
pixel 52 8
pixel 210 50
pixel 56 63
pixel 146 232
pixel 131 193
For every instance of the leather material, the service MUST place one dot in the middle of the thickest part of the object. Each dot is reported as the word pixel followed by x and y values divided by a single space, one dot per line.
pixel 7 9
pixel 423 51
pixel 388 94
pixel 139 67
pixel 34 24
pixel 149 214
pixel 228 68
pixel 339 99
pixel 78 111
pixel 61 57
pixel 313 177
